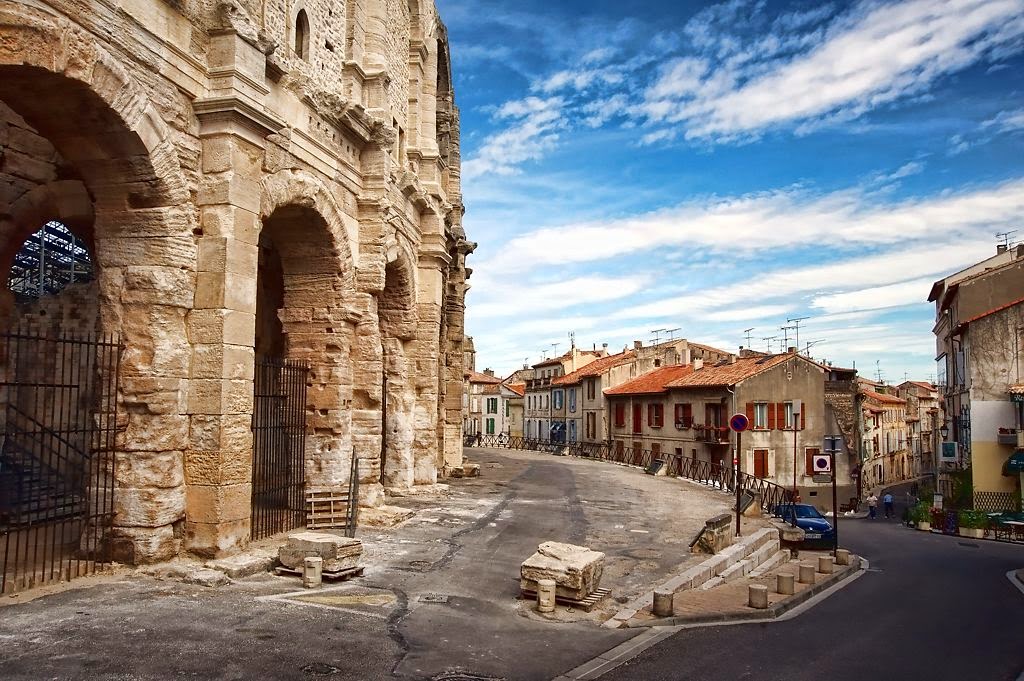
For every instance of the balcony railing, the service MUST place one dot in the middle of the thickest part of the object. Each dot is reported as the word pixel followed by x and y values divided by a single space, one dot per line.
pixel 718 435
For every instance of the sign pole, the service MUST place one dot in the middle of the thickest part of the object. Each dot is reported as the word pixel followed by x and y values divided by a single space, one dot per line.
pixel 835 507
pixel 738 423
pixel 739 435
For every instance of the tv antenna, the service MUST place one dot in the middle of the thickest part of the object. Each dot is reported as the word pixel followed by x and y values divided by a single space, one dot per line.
pixel 785 335
pixel 1004 237
pixel 572 339
pixel 811 344
pixel 747 334
pixel 770 339
pixel 657 334
pixel 554 349
pixel 671 333
pixel 796 325
pixel 878 370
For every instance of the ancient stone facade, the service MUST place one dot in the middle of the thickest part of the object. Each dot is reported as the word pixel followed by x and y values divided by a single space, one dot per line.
pixel 251 178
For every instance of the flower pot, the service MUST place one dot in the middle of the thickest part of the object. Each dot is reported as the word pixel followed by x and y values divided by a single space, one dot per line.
pixel 924 526
pixel 974 532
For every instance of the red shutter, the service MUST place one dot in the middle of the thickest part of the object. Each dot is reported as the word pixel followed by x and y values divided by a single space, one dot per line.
pixel 750 413
pixel 771 416
pixel 650 414
pixel 811 453
pixel 687 415
pixel 620 414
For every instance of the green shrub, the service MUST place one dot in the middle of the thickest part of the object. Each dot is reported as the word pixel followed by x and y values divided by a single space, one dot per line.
pixel 975 520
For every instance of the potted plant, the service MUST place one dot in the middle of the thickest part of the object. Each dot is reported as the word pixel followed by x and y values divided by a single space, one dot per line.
pixel 936 516
pixel 922 516
pixel 973 523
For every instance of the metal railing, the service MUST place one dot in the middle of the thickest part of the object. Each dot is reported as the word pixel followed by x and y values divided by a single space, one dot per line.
pixel 709 473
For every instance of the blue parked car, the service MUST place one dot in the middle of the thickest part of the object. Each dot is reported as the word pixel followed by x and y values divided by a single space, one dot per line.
pixel 816 528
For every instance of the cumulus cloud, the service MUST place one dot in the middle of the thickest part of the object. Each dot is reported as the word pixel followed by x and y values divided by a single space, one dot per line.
pixel 534 129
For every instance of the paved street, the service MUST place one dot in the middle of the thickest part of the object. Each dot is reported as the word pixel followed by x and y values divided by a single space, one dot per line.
pixel 465 545
pixel 932 607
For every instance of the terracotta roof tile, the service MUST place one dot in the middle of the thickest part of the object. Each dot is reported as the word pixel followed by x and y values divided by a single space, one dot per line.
pixel 477 377
pixel 491 389
pixel 652 382
pixel 724 373
pixel 595 368
pixel 883 398
pixel 701 346
pixel 517 388
pixel 566 356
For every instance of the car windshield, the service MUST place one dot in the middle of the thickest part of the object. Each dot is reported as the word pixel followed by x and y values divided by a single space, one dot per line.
pixel 801 511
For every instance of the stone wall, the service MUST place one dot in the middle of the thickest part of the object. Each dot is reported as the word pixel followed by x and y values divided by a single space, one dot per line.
pixel 179 139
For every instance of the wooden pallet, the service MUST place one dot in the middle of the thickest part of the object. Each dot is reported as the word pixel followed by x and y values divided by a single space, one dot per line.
pixel 586 605
pixel 327 508
pixel 339 576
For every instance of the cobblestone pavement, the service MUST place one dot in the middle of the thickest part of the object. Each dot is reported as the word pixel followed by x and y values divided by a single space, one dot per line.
pixel 464 546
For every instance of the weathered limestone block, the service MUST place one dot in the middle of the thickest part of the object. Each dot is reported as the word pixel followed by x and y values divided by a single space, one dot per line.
pixel 338 553
pixel 576 569
pixel 716 535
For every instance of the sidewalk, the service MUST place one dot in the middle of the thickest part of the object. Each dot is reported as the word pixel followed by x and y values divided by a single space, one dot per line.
pixel 728 602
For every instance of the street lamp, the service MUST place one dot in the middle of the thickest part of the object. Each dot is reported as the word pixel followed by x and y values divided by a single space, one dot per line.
pixel 796 423
pixel 944 431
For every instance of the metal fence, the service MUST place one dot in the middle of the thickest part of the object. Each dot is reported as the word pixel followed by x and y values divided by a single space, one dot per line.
pixel 59 417
pixel 706 472
pixel 279 446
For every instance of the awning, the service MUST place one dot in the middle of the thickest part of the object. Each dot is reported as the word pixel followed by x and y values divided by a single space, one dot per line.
pixel 1015 464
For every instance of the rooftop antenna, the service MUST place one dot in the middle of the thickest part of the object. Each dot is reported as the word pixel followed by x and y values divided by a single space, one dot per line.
pixel 811 344
pixel 657 333
pixel 747 333
pixel 770 339
pixel 796 324
pixel 670 333
pixel 1005 238
pixel 878 370
pixel 785 335
pixel 554 349
pixel 572 339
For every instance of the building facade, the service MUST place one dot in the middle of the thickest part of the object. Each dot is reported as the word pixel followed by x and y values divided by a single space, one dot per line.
pixel 979 317
pixel 253 182
pixel 544 400
pixel 886 438
pixel 483 404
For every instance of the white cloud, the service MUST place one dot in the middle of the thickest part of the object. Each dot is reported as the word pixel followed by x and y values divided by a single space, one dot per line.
pixel 1006 121
pixel 513 297
pixel 874 298
pixel 876 54
pixel 743 314
pixel 771 220
pixel 535 132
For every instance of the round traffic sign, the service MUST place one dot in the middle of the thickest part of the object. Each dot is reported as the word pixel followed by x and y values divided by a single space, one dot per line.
pixel 739 422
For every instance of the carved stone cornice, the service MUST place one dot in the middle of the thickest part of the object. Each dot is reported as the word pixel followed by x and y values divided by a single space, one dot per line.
pixel 217 113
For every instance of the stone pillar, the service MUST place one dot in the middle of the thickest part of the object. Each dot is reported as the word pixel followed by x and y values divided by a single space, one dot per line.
pixel 218 463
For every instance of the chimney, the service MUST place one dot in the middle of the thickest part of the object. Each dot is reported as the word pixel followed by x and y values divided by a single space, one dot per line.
pixel 732 358
pixel 489 372
pixel 604 345
pixel 791 350
pixel 698 364
pixel 638 344
pixel 1000 249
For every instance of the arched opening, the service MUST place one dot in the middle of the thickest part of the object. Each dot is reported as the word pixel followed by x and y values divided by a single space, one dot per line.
pixel 49 261
pixel 445 102
pixel 76 181
pixel 301 44
pixel 301 352
pixel 397 319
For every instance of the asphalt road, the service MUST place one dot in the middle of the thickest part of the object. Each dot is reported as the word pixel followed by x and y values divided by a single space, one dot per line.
pixel 931 607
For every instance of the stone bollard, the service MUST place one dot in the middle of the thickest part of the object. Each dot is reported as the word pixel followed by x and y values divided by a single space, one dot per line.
pixel 312 572
pixel 784 583
pixel 757 596
pixel 545 595
pixel 663 603
pixel 842 557
pixel 826 565
pixel 806 573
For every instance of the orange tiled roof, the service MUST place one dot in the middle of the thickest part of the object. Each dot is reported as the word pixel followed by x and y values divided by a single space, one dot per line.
pixel 595 368
pixel 883 398
pixel 701 346
pixel 517 388
pixel 652 382
pixel 725 374
pixel 477 377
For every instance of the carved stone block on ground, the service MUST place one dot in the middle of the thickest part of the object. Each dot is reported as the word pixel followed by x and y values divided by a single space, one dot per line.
pixel 576 569
pixel 338 553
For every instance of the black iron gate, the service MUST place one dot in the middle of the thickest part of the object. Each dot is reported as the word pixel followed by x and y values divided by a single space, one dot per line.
pixel 58 417
pixel 279 446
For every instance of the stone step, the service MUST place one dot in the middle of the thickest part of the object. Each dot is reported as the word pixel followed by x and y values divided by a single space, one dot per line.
pixel 778 558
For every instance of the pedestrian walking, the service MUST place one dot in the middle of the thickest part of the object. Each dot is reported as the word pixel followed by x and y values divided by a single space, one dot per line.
pixel 887 500
pixel 872 505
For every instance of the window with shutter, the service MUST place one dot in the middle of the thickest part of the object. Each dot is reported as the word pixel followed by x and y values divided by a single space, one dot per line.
pixel 620 415
pixel 761 463
pixel 811 453
pixel 771 409
pixel 638 418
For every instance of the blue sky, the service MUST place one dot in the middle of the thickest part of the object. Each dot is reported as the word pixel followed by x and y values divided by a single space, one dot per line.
pixel 632 165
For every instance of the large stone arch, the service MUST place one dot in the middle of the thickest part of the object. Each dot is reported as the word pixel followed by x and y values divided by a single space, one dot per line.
pixel 319 312
pixel 64 85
